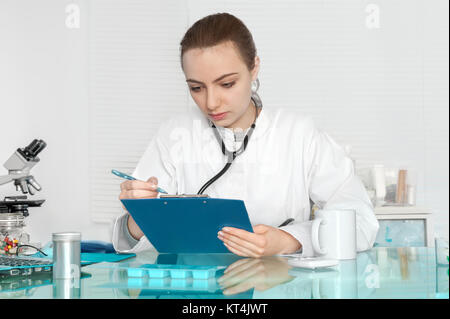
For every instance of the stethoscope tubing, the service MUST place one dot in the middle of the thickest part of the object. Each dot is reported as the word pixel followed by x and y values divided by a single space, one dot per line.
pixel 231 155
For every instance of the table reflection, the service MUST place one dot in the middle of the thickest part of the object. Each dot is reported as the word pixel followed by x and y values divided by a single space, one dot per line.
pixel 260 273
pixel 232 276
pixel 378 273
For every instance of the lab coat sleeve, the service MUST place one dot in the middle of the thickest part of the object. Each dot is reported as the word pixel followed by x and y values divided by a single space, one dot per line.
pixel 121 241
pixel 156 161
pixel 332 184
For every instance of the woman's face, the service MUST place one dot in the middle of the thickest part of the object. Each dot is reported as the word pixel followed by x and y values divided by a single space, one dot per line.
pixel 220 84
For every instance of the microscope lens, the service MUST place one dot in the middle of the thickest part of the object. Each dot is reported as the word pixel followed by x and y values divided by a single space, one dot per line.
pixel 40 147
pixel 35 147
pixel 24 187
pixel 32 182
pixel 29 149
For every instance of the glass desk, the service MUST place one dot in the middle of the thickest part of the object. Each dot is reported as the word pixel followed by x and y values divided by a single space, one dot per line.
pixel 378 273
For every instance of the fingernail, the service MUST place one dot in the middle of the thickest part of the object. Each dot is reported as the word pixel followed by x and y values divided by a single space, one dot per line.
pixel 225 229
pixel 220 233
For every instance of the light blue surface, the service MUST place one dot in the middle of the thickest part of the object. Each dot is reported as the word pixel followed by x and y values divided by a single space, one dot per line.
pixel 401 233
pixel 380 273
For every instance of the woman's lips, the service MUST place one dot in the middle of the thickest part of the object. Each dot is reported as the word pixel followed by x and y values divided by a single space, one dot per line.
pixel 218 116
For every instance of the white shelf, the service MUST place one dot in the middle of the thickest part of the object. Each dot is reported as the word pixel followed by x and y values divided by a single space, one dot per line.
pixel 401 210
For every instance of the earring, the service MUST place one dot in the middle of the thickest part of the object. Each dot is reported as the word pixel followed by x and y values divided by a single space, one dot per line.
pixel 255 85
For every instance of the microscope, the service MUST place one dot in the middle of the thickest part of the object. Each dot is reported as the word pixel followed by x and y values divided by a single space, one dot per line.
pixel 13 209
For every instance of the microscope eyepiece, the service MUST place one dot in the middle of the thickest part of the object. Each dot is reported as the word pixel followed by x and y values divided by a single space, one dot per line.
pixel 32 150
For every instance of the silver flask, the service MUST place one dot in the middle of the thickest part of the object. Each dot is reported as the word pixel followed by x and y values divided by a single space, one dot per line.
pixel 66 255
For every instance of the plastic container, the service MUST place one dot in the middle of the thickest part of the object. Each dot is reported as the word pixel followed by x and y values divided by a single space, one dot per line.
pixel 12 234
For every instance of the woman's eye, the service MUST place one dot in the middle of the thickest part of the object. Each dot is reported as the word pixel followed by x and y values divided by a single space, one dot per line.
pixel 195 88
pixel 228 85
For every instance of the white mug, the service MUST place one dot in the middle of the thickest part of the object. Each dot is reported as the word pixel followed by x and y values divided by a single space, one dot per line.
pixel 333 234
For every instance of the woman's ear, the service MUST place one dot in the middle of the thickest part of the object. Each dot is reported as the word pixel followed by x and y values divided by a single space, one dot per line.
pixel 255 70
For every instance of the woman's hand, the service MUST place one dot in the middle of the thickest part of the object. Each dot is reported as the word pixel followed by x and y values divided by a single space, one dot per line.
pixel 264 241
pixel 138 189
pixel 261 274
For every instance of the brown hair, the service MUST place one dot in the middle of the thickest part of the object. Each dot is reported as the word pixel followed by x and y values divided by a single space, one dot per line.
pixel 216 29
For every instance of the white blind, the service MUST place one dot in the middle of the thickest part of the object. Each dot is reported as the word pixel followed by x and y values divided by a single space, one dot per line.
pixel 135 83
pixel 384 91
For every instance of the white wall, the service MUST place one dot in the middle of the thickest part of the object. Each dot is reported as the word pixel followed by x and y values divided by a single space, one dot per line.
pixel 384 90
pixel 44 94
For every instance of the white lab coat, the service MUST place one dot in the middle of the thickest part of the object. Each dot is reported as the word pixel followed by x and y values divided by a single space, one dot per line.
pixel 288 160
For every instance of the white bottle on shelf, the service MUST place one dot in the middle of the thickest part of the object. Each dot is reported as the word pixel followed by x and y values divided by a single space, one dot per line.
pixel 379 181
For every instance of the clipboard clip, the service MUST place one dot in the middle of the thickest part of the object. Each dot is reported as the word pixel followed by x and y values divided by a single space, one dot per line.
pixel 185 196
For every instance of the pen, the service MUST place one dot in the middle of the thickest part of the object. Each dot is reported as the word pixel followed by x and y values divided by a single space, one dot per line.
pixel 287 222
pixel 131 178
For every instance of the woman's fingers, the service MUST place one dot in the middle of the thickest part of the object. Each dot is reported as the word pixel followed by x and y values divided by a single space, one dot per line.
pixel 249 244
pixel 132 185
pixel 138 193
pixel 239 250
pixel 139 189
pixel 254 238
pixel 153 180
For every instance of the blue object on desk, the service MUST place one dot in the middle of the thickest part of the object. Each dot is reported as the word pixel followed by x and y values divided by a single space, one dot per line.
pixel 187 224
pixel 92 251
pixel 95 251
pixel 174 271
pixel 91 258
pixel 96 246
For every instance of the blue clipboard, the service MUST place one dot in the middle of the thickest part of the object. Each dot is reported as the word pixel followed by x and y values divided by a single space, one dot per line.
pixel 187 224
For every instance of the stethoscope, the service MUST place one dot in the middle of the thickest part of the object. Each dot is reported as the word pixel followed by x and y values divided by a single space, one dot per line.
pixel 232 155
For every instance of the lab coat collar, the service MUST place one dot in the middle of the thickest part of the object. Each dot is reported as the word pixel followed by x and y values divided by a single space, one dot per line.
pixel 263 123
pixel 229 137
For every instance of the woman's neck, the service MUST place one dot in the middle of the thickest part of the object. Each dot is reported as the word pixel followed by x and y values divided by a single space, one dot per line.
pixel 247 119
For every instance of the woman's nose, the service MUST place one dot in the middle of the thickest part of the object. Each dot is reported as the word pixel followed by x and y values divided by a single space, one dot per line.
pixel 212 100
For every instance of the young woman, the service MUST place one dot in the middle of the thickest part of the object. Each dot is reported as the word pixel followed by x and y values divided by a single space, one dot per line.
pixel 286 163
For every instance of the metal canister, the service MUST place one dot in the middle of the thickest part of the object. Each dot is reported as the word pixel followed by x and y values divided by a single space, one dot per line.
pixel 66 255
